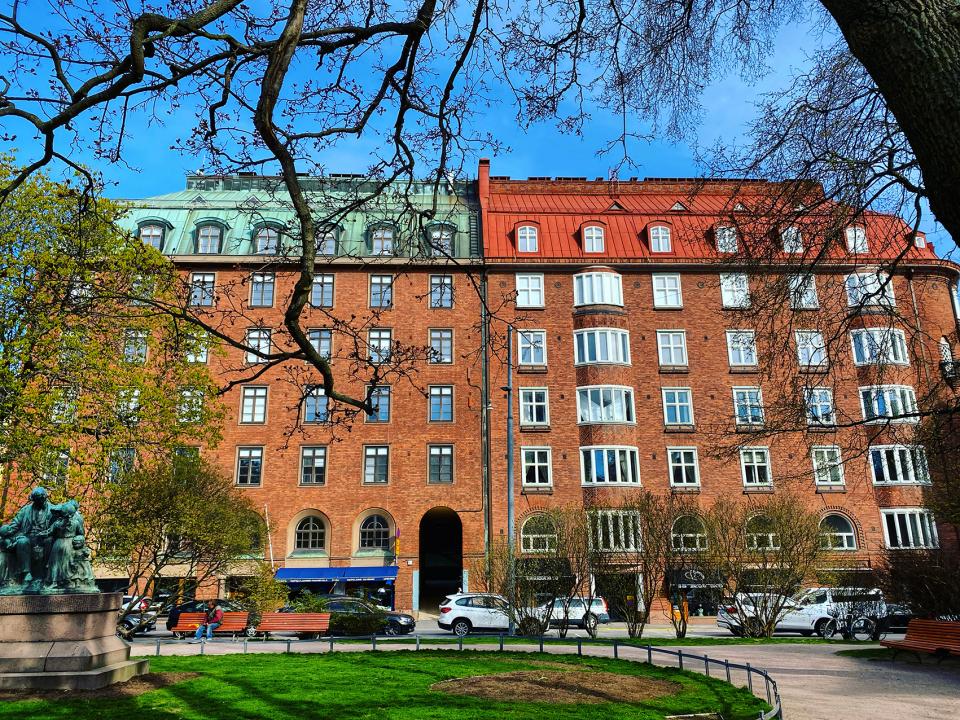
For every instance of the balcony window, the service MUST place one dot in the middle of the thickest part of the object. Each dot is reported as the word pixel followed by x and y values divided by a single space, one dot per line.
pixel 879 346
pixel 605 404
pixel 597 288
pixel 615 465
pixel 602 345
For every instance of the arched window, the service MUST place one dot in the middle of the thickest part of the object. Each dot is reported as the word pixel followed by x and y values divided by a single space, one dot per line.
pixel 660 239
pixel 311 534
pixel 538 534
pixel 327 241
pixel 382 239
pixel 440 241
pixel 837 533
pixel 857 240
pixel 152 235
pixel 761 534
pixel 726 237
pixel 375 533
pixel 527 239
pixel 267 241
pixel 208 239
pixel 593 240
pixel 689 534
pixel 792 239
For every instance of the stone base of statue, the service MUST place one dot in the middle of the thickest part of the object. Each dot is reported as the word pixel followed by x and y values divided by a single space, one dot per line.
pixel 63 642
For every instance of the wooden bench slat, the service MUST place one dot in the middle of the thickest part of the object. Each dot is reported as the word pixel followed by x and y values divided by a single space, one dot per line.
pixel 294 622
pixel 233 622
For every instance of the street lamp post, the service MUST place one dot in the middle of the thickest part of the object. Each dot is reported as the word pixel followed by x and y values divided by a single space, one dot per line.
pixel 508 389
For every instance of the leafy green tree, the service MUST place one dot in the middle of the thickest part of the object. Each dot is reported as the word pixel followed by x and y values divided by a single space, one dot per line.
pixel 92 374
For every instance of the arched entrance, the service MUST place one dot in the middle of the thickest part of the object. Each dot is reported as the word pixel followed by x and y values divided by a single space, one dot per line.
pixel 441 556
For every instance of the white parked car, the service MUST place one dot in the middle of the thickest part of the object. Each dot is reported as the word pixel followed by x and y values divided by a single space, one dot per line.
pixel 464 612
pixel 820 611
pixel 577 613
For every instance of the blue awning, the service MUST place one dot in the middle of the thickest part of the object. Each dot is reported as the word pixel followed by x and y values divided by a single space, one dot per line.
pixel 336 574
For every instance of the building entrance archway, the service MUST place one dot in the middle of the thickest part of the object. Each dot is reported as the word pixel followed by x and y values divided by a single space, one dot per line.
pixel 441 556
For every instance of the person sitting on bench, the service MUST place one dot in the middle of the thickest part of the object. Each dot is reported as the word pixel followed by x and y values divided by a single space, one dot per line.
pixel 213 620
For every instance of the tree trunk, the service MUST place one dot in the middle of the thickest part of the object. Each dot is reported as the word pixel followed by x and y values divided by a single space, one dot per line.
pixel 911 48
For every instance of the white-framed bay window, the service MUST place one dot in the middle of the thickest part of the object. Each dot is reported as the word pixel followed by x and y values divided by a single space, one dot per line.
pixel 879 346
pixel 597 288
pixel 889 404
pixel 906 528
pixel 603 465
pixel 898 465
pixel 605 404
pixel 615 530
pixel 601 346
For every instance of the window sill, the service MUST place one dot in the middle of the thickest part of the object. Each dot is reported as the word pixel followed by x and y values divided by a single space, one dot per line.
pixel 679 428
pixel 534 428
pixel 750 489
pixel 744 369
pixel 674 369
pixel 611 485
pixel 668 307
pixel 901 484
pixel 536 490
pixel 308 554
pixel 749 428
pixel 685 489
pixel 814 369
pixel 532 369
pixel 313 484
pixel 735 308
pixel 822 428
pixel 871 310
pixel 823 489
pixel 598 309
pixel 805 309
pixel 530 307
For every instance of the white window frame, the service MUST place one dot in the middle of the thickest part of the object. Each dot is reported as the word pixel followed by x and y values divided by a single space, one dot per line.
pixel 661 240
pixel 803 292
pixel 726 238
pixel 438 358
pixel 528 240
pixel 822 465
pixel 253 404
pixel 376 339
pixel 269 234
pixel 922 519
pixel 530 290
pixel 203 289
pixel 805 340
pixel 744 464
pixel 848 540
pixel 316 338
pixel 382 240
pixel 597 288
pixel 891 344
pixel 814 398
pixel 263 286
pixel 315 452
pixel 857 240
pixel 735 344
pixel 677 352
pixel 621 399
pixel 611 346
pixel 526 402
pixel 627 530
pixel 207 233
pixel 260 340
pixel 250 453
pixel 372 453
pixel 443 283
pixel 792 240
pixel 384 286
pixel 665 287
pixel 872 296
pixel 445 396
pixel 902 395
pixel 683 465
pixel 735 291
pixel 909 461
pixel 318 290
pixel 529 337
pixel 688 405
pixel 750 422
pixel 594 239
pixel 536 464
pixel 628 453
pixel 441 451
pixel 153 235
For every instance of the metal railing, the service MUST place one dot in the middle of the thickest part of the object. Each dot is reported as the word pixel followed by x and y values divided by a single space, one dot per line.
pixel 758 681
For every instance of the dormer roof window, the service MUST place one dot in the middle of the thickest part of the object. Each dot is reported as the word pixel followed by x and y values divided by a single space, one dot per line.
pixel 209 239
pixel 527 239
pixel 593 239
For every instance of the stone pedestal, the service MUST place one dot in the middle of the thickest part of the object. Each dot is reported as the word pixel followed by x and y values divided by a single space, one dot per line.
pixel 63 642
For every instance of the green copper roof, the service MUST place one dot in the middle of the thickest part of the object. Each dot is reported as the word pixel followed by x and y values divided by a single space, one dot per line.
pixel 241 205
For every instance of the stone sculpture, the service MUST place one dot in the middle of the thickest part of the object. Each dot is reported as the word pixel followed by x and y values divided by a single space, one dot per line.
pixel 43 550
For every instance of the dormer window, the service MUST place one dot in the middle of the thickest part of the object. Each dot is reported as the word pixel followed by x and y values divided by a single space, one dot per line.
pixel 381 240
pixel 208 239
pixel 152 235
pixel 920 241
pixel 527 240
pixel 593 239
pixel 440 239
pixel 792 240
pixel 660 239
pixel 726 237
pixel 857 240
pixel 327 242
pixel 267 241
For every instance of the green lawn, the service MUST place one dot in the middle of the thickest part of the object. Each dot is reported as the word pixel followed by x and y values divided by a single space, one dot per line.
pixel 393 685
pixel 548 640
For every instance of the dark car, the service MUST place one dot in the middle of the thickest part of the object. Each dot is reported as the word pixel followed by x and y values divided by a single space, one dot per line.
pixel 895 621
pixel 394 623
pixel 199 606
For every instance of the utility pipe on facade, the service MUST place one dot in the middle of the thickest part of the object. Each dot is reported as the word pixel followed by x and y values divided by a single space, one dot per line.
pixel 508 389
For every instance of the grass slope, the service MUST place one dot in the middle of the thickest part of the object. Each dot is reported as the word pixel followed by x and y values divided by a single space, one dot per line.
pixel 388 685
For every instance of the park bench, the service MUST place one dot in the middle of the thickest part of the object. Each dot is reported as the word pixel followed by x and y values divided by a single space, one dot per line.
pixel 234 623
pixel 315 624
pixel 933 637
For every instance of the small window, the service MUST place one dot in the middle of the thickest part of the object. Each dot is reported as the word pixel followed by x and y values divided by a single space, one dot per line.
pixel 321 293
pixel 666 291
pixel 537 470
pixel 534 407
pixel 677 406
pixel 441 291
pixel 249 466
pixel 190 407
pixel 538 534
pixel 755 466
pixel 208 239
pixel 253 405
pixel 820 410
pixel 532 346
pixel 153 236
pixel 311 534
pixel 440 465
pixel 593 240
pixel 202 289
pixel 742 348
pixel 441 403
pixel 803 292
pixel 836 533
pixel 380 403
pixel 762 534
pixel 135 346
pixel 380 343
pixel 315 405
pixel 327 241
pixel 313 465
pixel 196 349
pixel 672 348
pixel 920 241
pixel 857 240
pixel 615 530
pixel 529 290
pixel 811 349
pixel 440 239
pixel 259 345
pixel 660 239
pixel 381 291
pixel 734 290
pixel 748 405
pixel 792 240
pixel 267 241
pixel 726 237
pixel 375 533
pixel 689 534
pixel 382 240
pixel 441 346
pixel 376 464
pixel 322 341
pixel 527 239
pixel 683 467
pixel 261 289
pixel 827 465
